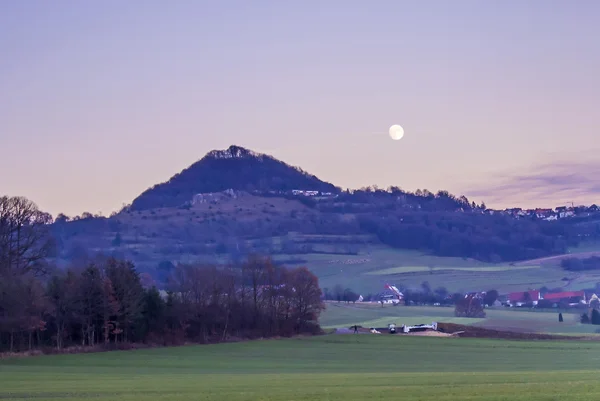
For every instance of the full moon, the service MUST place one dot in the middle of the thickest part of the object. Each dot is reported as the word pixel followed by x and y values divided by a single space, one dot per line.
pixel 396 132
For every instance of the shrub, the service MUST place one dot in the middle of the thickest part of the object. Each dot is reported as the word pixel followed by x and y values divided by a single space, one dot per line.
pixel 595 317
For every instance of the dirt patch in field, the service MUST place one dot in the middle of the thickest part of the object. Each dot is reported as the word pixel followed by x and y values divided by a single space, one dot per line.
pixel 428 333
pixel 350 330
pixel 481 332
pixel 459 330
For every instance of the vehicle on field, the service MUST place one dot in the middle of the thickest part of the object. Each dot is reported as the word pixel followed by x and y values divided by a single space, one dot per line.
pixel 419 327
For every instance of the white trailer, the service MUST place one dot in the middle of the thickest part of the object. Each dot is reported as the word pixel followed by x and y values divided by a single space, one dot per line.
pixel 419 327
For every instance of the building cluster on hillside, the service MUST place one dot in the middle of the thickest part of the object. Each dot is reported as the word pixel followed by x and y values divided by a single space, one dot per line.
pixel 311 193
pixel 301 192
pixel 536 298
pixel 214 197
pixel 550 299
pixel 521 299
pixel 559 212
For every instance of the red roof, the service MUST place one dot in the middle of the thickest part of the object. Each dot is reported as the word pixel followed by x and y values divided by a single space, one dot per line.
pixel 520 296
pixel 564 295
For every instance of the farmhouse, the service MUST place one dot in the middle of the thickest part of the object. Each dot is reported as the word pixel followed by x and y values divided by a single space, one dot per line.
pixel 570 297
pixel 391 294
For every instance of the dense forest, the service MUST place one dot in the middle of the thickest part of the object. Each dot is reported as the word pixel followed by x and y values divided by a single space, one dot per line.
pixel 478 236
pixel 102 302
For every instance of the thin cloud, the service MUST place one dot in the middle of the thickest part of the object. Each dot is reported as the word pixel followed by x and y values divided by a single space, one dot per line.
pixel 550 183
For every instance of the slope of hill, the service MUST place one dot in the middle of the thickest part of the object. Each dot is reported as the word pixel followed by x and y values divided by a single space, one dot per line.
pixel 234 202
pixel 235 168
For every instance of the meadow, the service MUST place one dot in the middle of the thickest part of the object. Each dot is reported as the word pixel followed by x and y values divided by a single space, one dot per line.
pixel 368 272
pixel 330 367
pixel 374 315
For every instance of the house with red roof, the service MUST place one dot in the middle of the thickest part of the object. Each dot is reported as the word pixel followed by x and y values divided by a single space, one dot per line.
pixel 524 297
pixel 570 297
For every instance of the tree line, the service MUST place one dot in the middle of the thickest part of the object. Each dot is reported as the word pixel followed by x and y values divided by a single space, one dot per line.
pixel 581 264
pixel 473 235
pixel 102 301
pixel 350 200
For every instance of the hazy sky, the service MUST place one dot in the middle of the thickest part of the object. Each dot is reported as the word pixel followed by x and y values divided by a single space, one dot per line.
pixel 499 99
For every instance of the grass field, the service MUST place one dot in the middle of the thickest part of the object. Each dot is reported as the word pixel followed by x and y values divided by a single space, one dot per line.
pixel 334 367
pixel 480 269
pixel 369 271
pixel 373 315
pixel 375 266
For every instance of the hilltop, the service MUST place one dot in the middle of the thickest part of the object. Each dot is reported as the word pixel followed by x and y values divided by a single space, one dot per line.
pixel 234 168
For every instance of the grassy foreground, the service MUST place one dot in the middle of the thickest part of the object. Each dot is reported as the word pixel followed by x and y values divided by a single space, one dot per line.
pixel 335 367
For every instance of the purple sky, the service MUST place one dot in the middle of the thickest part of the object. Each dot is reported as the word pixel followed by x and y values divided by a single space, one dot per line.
pixel 100 100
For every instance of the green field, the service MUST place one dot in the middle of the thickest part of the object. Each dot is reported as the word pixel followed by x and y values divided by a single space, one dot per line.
pixel 480 269
pixel 368 272
pixel 333 367
pixel 376 265
pixel 352 367
pixel 374 315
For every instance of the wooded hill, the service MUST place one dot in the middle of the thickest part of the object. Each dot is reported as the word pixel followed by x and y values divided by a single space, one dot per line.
pixel 234 202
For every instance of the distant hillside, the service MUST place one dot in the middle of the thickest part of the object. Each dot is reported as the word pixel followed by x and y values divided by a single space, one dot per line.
pixel 194 216
pixel 234 168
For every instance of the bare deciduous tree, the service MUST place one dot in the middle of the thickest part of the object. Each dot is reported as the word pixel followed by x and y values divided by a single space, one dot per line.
pixel 25 242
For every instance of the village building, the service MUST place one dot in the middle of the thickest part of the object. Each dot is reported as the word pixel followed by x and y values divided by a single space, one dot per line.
pixel 571 298
pixel 524 297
